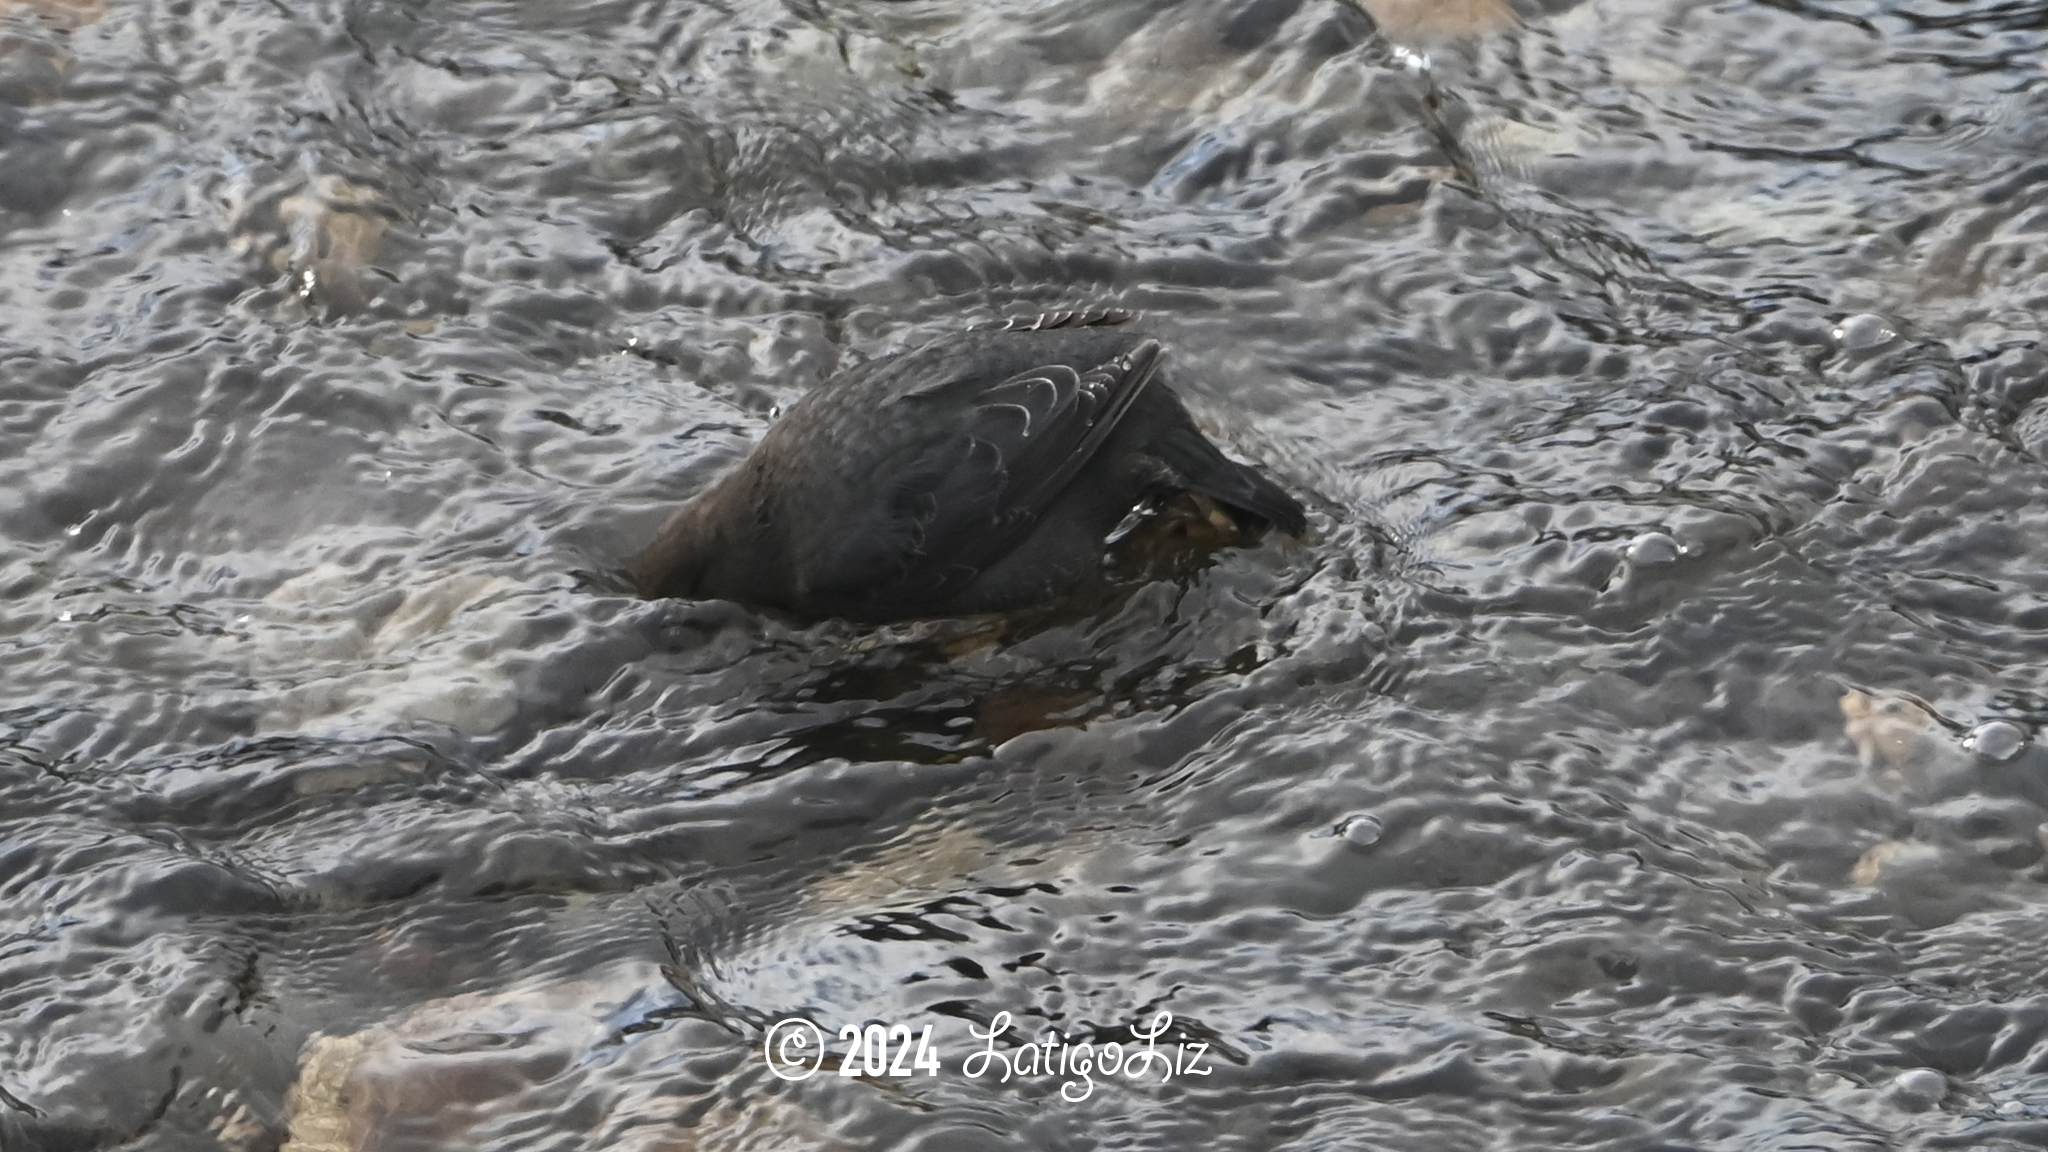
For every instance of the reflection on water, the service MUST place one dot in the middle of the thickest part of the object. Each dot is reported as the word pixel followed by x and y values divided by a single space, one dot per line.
pixel 1639 752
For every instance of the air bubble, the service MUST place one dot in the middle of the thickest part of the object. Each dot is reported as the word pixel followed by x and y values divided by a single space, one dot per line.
pixel 1919 1089
pixel 1996 741
pixel 1864 332
pixel 1363 831
pixel 1653 548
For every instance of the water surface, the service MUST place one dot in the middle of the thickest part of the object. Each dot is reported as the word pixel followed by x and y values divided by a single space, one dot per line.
pixel 1637 755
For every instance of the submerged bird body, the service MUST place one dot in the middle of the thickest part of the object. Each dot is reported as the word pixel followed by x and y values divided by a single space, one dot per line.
pixel 975 474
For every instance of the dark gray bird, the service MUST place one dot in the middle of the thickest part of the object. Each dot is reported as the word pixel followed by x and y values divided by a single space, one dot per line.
pixel 976 474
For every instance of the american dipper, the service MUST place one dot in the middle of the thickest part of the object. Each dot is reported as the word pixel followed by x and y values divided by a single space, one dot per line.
pixel 976 474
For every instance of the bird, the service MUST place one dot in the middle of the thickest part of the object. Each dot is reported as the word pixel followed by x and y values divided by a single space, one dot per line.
pixel 980 473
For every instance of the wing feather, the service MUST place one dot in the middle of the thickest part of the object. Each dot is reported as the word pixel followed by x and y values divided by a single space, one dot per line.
pixel 998 456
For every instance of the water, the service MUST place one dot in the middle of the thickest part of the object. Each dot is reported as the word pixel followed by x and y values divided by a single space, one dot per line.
pixel 1640 753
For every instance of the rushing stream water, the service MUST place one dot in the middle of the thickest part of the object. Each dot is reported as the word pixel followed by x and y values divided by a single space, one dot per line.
pixel 1637 754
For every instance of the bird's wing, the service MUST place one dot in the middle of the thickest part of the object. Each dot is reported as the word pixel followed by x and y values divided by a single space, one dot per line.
pixel 961 498
pixel 1063 318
